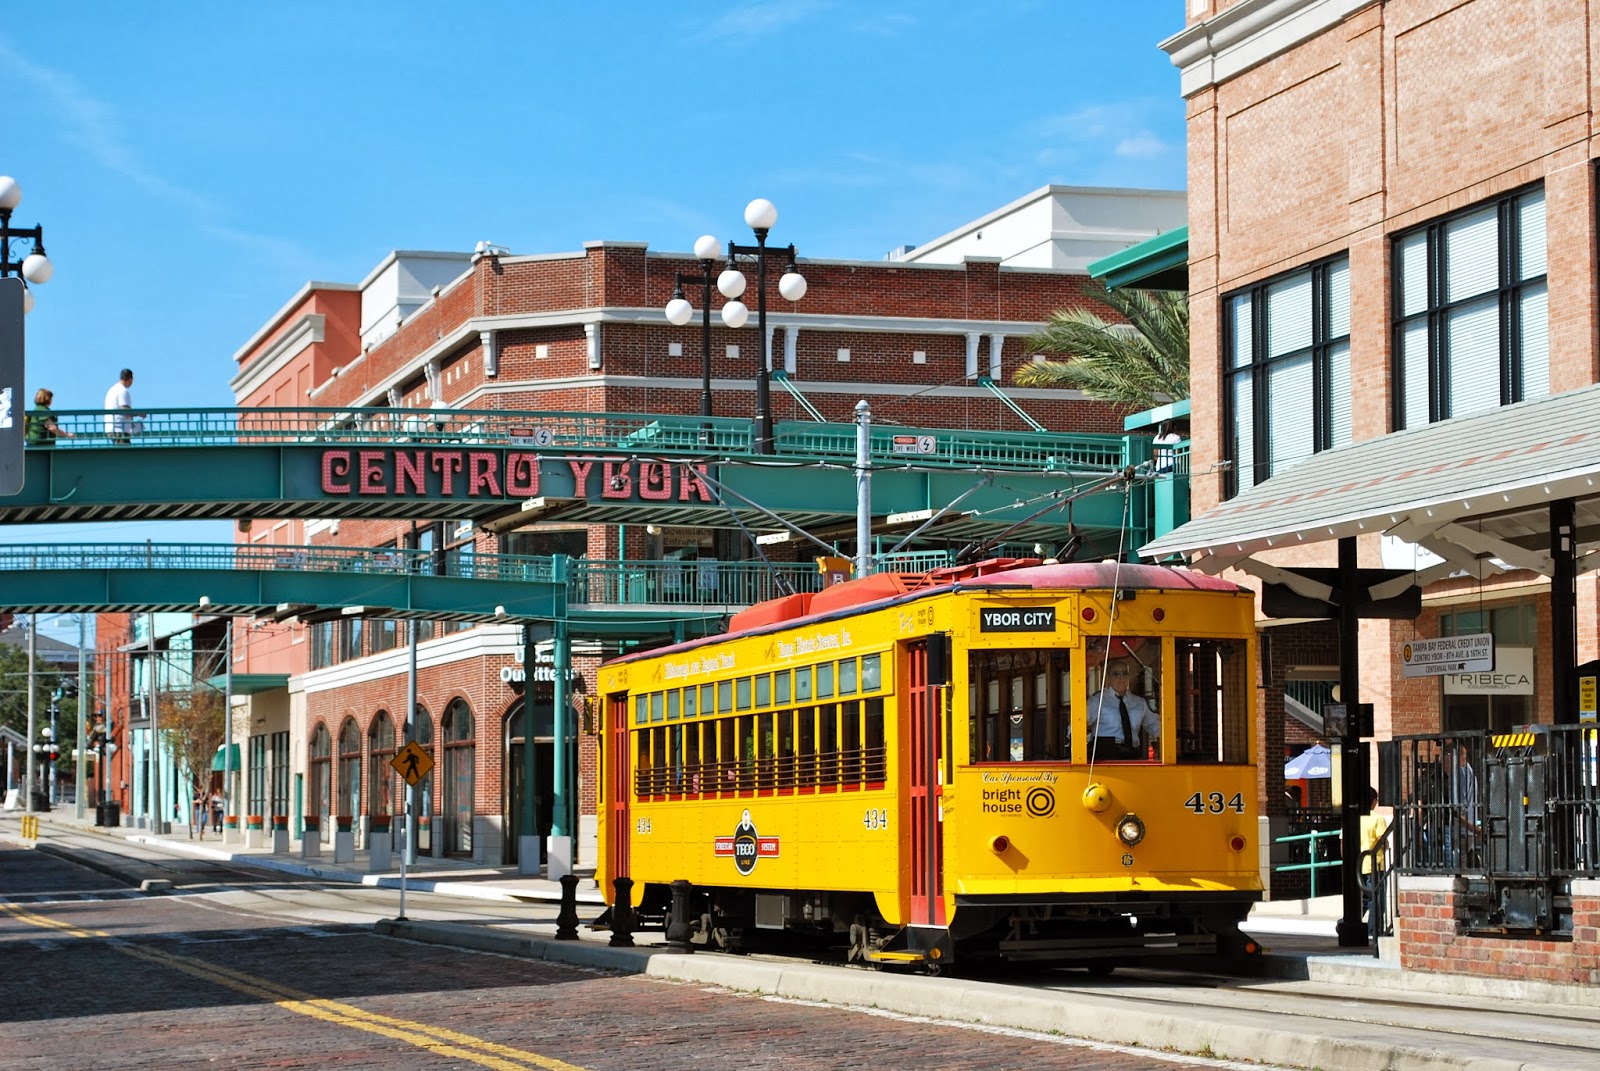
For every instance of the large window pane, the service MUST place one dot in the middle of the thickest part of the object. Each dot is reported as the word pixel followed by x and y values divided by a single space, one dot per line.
pixel 1244 447
pixel 1338 299
pixel 1243 350
pixel 1289 315
pixel 1339 394
pixel 1472 339
pixel 1289 409
pixel 1535 315
pixel 1530 221
pixel 1411 261
pixel 1471 264
pixel 1414 370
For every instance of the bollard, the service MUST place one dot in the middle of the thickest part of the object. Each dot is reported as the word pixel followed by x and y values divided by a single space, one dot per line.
pixel 622 914
pixel 678 932
pixel 567 919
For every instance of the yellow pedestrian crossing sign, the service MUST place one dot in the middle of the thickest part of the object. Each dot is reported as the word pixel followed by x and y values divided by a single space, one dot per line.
pixel 412 763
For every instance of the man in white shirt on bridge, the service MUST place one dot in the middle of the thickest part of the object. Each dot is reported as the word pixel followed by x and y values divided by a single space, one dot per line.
pixel 119 424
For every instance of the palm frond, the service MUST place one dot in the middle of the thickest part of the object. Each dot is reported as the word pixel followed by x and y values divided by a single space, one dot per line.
pixel 1137 363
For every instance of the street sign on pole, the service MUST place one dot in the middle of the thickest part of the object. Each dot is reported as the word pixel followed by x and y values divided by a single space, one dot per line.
pixel 1448 654
pixel 412 763
pixel 13 405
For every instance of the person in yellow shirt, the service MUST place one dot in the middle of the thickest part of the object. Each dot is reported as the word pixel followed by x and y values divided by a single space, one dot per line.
pixel 1373 827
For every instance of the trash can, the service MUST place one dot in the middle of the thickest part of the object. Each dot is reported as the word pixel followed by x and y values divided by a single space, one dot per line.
pixel 41 801
pixel 108 814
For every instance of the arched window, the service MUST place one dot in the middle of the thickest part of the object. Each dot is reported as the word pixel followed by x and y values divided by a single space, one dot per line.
pixel 421 730
pixel 321 771
pixel 350 768
pixel 380 750
pixel 460 760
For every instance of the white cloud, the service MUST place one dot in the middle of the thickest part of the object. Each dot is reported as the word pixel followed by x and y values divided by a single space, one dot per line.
pixel 95 127
pixel 1141 145
pixel 759 19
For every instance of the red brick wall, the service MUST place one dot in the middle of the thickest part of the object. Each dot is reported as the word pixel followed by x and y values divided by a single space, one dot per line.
pixel 1431 940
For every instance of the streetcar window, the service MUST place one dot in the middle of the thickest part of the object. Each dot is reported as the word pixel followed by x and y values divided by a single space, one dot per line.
pixel 825 680
pixel 827 746
pixel 786 755
pixel 763 691
pixel 672 705
pixel 767 744
pixel 641 709
pixel 847 677
pixel 806 737
pixel 641 763
pixel 741 690
pixel 676 737
pixel 706 705
pixel 876 754
pixel 724 697
pixel 870 681
pixel 802 684
pixel 850 764
pixel 661 760
pixel 688 702
pixel 747 752
pixel 1025 712
pixel 727 756
pixel 1124 672
pixel 691 753
pixel 780 687
pixel 1214 701
pixel 657 706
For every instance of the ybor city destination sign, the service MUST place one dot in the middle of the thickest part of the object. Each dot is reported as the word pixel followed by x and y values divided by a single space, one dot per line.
pixel 489 473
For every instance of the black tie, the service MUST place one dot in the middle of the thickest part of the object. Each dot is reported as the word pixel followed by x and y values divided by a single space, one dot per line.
pixel 1127 726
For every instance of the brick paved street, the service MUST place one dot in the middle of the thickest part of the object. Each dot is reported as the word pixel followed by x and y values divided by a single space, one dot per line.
pixel 183 981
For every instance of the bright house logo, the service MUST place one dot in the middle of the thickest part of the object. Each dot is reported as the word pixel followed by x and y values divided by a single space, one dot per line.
pixel 746 845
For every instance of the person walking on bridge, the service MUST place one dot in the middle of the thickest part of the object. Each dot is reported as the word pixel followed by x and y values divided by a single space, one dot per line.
pixel 119 409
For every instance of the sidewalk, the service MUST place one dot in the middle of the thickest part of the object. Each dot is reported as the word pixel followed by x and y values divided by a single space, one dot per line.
pixel 456 877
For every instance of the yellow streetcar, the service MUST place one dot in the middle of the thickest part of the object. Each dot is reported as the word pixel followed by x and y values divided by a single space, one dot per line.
pixel 1013 760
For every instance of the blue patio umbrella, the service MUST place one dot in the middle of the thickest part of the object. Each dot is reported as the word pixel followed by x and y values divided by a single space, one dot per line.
pixel 1314 761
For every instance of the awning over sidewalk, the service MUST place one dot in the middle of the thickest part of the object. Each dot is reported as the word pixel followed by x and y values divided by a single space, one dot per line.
pixel 1475 491
pixel 230 752
pixel 249 683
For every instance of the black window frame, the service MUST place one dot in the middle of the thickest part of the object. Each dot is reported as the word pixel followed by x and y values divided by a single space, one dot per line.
pixel 1508 291
pixel 1260 363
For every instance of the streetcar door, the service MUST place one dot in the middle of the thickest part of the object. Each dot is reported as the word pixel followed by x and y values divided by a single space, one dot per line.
pixel 618 829
pixel 928 671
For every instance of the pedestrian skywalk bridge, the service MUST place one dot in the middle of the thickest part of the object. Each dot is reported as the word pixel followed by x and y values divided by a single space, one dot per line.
pixel 594 597
pixel 504 469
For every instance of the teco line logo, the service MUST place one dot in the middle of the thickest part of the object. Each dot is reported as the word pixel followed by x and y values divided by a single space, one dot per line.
pixel 746 845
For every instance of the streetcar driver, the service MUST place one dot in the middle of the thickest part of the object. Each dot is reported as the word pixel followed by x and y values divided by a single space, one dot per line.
pixel 1121 723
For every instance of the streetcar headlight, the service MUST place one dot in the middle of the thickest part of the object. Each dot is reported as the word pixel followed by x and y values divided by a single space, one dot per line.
pixel 1237 843
pixel 1130 829
pixel 999 844
pixel 1096 798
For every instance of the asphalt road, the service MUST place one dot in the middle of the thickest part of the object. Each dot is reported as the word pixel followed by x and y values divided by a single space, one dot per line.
pixel 251 969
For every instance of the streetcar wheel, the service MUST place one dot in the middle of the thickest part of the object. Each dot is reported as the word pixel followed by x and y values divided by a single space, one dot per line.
pixel 1100 970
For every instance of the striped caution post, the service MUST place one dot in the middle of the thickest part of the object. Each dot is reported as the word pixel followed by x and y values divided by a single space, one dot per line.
pixel 30 827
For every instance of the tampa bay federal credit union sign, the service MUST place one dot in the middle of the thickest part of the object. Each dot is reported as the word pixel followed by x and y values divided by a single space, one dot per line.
pixel 487 473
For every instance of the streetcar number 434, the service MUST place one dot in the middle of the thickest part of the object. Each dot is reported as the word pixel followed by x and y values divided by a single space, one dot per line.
pixel 1214 803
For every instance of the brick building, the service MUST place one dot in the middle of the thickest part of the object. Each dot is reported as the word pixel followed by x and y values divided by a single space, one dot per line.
pixel 1392 258
pixel 584 331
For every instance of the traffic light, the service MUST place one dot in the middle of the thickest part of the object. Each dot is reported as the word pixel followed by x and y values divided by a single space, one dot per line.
pixel 69 687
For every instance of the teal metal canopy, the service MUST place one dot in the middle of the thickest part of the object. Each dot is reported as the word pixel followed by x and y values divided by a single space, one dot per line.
pixel 1159 263
pixel 249 683
pixel 230 753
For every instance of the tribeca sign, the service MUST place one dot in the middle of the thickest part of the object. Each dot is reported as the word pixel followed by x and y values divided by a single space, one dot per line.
pixel 497 473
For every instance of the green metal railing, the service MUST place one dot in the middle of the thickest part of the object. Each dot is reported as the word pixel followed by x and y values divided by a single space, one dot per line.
pixel 230 556
pixel 647 434
pixel 705 582
pixel 589 582
pixel 1313 839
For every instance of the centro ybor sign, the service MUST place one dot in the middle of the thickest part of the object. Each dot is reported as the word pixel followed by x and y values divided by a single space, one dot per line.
pixel 496 473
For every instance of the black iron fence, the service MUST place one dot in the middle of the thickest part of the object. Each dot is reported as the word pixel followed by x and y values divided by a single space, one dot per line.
pixel 1517 814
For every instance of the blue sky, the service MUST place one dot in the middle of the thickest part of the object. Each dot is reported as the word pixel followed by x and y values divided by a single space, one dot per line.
pixel 195 164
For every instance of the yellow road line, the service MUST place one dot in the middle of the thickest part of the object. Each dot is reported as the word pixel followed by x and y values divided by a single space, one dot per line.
pixel 436 1039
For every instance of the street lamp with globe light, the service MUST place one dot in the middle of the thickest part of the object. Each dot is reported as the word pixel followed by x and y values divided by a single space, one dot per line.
pixel 35 267
pixel 761 215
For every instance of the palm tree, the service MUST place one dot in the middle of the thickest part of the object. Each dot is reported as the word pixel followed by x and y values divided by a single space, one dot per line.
pixel 1143 362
